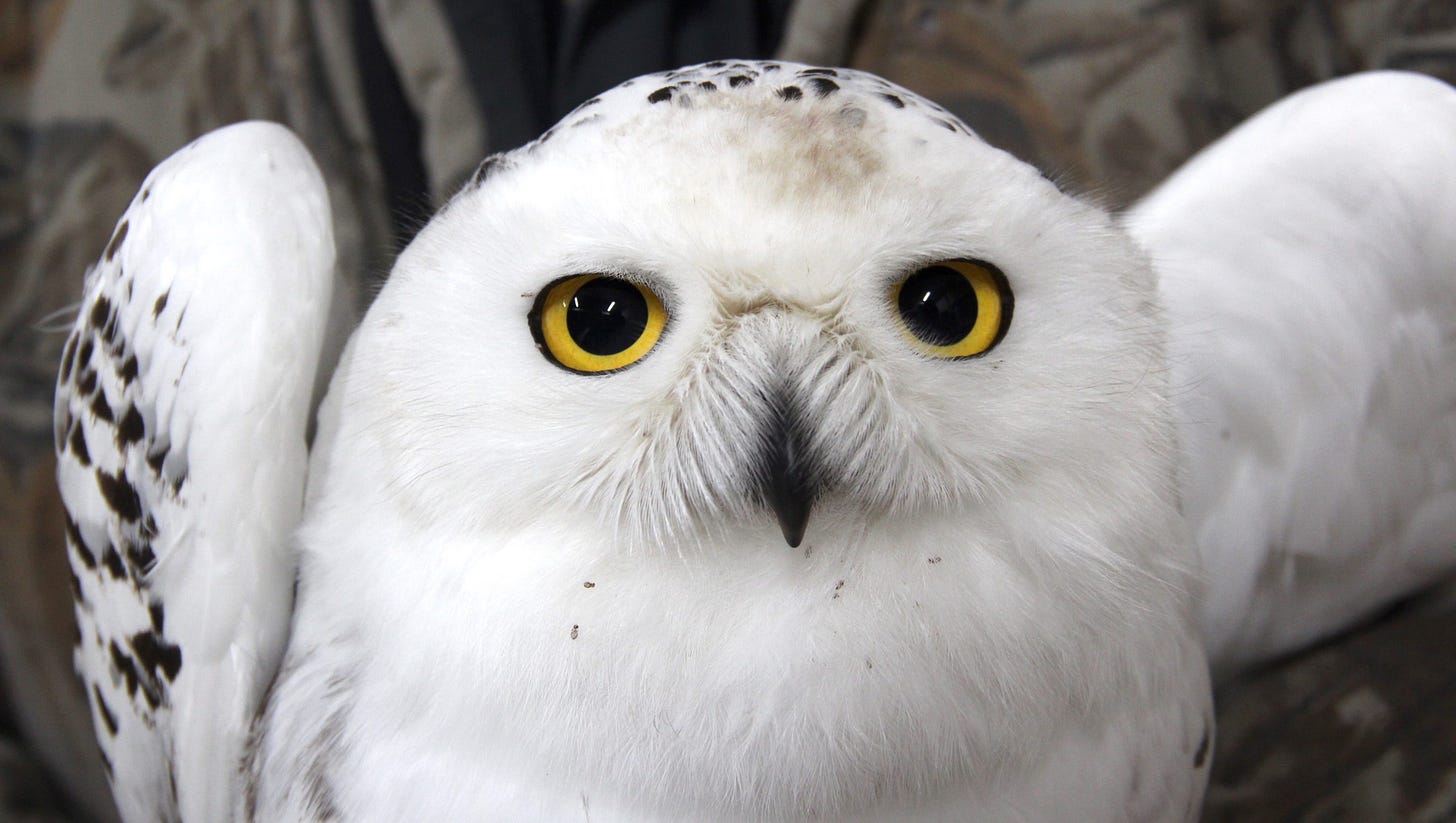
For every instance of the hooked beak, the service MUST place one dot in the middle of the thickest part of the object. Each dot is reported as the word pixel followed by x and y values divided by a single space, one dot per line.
pixel 788 481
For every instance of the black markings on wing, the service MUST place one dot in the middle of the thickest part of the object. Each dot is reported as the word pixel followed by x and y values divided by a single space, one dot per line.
pixel 115 471
pixel 116 240
pixel 107 718
pixel 120 494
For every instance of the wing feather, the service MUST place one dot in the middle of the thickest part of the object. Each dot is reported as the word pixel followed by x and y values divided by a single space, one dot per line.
pixel 1306 264
pixel 181 409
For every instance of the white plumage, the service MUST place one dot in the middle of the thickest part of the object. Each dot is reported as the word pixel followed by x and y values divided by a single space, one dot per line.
pixel 1306 264
pixel 526 592
pixel 180 417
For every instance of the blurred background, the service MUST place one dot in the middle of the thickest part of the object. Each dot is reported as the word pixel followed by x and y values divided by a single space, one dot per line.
pixel 400 99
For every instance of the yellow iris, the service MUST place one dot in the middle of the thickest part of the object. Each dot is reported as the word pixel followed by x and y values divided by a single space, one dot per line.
pixel 595 323
pixel 954 309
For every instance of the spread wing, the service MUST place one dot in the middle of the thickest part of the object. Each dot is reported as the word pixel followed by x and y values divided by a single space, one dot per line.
pixel 1306 261
pixel 180 419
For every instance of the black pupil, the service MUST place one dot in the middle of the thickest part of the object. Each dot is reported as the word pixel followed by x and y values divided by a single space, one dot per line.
pixel 606 316
pixel 939 305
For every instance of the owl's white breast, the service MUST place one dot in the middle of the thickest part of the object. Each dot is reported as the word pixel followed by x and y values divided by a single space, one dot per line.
pixel 897 671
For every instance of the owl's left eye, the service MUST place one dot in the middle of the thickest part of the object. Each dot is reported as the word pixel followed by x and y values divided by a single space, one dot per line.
pixel 596 323
pixel 955 309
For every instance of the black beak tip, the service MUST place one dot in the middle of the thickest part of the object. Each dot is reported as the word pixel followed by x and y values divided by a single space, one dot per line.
pixel 791 505
pixel 793 532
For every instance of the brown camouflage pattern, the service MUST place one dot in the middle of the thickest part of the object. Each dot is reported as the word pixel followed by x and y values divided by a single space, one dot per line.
pixel 1105 96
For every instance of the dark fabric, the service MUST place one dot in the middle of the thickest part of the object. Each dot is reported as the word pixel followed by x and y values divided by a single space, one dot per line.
pixel 395 127
pixel 531 63
pixel 508 49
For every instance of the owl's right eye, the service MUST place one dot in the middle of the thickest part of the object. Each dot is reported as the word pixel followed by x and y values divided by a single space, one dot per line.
pixel 596 323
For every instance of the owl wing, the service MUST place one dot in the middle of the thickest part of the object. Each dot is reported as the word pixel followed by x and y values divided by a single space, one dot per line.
pixel 1306 263
pixel 181 408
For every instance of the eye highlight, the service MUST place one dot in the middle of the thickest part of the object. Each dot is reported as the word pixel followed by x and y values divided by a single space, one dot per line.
pixel 954 309
pixel 595 323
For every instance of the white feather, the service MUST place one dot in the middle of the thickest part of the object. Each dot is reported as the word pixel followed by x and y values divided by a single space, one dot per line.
pixel 204 320
pixel 1306 264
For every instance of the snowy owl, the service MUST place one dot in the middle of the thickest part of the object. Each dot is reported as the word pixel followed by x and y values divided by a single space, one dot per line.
pixel 758 444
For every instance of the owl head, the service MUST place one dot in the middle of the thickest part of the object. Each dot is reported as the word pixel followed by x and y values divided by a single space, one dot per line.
pixel 747 301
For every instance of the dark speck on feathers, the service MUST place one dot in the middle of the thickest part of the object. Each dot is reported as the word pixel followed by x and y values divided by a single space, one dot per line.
pixel 124 666
pixel 106 765
pixel 574 627
pixel 162 301
pixel 155 609
pixel 156 654
pixel 74 533
pixel 740 80
pixel 662 95
pixel 100 312
pixel 154 460
pixel 790 93
pixel 893 99
pixel 823 87
pixel 771 67
pixel 934 560
pixel 1201 755
pixel 129 370
pixel 84 357
pixel 149 528
pixel 86 381
pixel 948 125
pixel 111 559
pixel 707 86
pixel 143 560
pixel 120 495
pixel 131 428
pixel 146 194
pixel 588 585
pixel 818 73
pixel 75 595
pixel 104 710
pixel 716 64
pixel 77 442
pixel 68 357
pixel 100 408
pixel 116 241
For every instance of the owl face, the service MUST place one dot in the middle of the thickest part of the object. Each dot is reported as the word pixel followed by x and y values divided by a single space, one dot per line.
pixel 707 307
